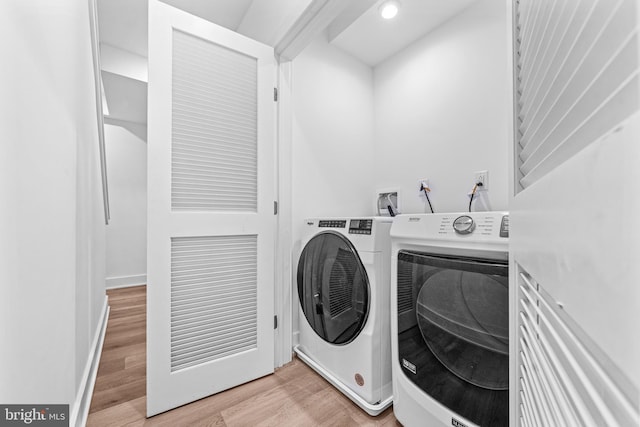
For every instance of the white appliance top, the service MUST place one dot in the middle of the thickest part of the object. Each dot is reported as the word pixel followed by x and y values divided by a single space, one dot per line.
pixel 454 229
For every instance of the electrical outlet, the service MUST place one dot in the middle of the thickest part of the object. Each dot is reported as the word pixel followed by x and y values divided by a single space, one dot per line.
pixel 483 177
pixel 423 182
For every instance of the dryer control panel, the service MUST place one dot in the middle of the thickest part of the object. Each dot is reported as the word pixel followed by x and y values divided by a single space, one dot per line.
pixel 473 228
pixel 360 226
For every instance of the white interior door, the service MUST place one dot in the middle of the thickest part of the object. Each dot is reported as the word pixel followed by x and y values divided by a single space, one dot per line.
pixel 574 251
pixel 210 209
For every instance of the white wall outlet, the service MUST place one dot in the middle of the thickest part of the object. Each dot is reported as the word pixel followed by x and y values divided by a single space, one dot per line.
pixel 483 177
pixel 422 182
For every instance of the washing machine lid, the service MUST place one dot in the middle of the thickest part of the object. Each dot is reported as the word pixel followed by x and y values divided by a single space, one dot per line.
pixel 333 288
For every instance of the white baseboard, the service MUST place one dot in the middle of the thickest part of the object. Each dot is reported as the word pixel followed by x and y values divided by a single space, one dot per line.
pixel 126 281
pixel 80 409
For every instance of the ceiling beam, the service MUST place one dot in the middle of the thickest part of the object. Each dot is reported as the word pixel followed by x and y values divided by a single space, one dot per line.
pixel 355 9
pixel 313 21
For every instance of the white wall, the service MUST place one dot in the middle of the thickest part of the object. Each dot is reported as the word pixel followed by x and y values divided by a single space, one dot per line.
pixel 436 110
pixel 332 134
pixel 441 113
pixel 332 140
pixel 90 298
pixel 127 230
pixel 51 217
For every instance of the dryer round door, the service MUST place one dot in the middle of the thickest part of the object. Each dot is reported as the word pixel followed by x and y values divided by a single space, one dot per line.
pixel 333 288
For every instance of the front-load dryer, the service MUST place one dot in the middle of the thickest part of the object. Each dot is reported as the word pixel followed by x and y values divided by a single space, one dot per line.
pixel 343 287
pixel 450 319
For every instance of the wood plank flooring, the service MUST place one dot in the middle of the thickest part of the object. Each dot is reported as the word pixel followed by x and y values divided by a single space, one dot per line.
pixel 294 395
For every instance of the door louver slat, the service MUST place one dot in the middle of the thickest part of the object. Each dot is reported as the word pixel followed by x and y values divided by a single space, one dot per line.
pixel 533 88
pixel 576 78
pixel 209 287
pixel 534 73
pixel 221 280
pixel 214 127
pixel 213 298
pixel 561 382
pixel 186 323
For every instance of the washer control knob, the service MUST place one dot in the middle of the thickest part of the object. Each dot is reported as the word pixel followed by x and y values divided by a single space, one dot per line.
pixel 464 225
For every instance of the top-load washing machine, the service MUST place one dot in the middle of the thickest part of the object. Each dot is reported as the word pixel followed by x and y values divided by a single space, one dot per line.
pixel 450 319
pixel 343 287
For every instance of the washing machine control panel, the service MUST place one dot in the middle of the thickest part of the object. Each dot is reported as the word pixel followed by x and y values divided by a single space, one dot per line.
pixel 332 223
pixel 360 226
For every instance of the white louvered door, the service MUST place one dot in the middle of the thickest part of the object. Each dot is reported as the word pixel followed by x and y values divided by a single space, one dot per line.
pixel 211 186
pixel 574 238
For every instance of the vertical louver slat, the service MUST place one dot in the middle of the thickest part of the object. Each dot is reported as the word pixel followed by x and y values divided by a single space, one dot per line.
pixel 530 16
pixel 577 78
pixel 544 75
pixel 214 127
pixel 561 381
pixel 571 50
pixel 545 47
pixel 580 80
pixel 536 40
pixel 213 298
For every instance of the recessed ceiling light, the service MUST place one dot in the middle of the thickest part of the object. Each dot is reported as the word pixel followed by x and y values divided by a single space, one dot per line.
pixel 389 9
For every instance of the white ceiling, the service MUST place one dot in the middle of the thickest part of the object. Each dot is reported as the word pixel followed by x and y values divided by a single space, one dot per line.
pixel 228 13
pixel 123 23
pixel 373 39
pixel 356 28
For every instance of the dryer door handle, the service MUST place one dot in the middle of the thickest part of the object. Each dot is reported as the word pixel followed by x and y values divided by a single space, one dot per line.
pixel 319 308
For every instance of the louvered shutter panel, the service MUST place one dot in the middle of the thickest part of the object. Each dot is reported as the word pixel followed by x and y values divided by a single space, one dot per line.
pixel 576 76
pixel 213 298
pixel 561 382
pixel 214 129
pixel 577 80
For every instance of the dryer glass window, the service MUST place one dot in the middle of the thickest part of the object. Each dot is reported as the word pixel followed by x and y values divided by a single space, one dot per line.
pixel 453 332
pixel 333 288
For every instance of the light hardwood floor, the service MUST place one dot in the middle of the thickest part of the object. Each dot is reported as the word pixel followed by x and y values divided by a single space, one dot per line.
pixel 293 396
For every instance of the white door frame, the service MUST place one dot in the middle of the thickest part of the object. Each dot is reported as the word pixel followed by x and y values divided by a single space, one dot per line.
pixel 284 239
